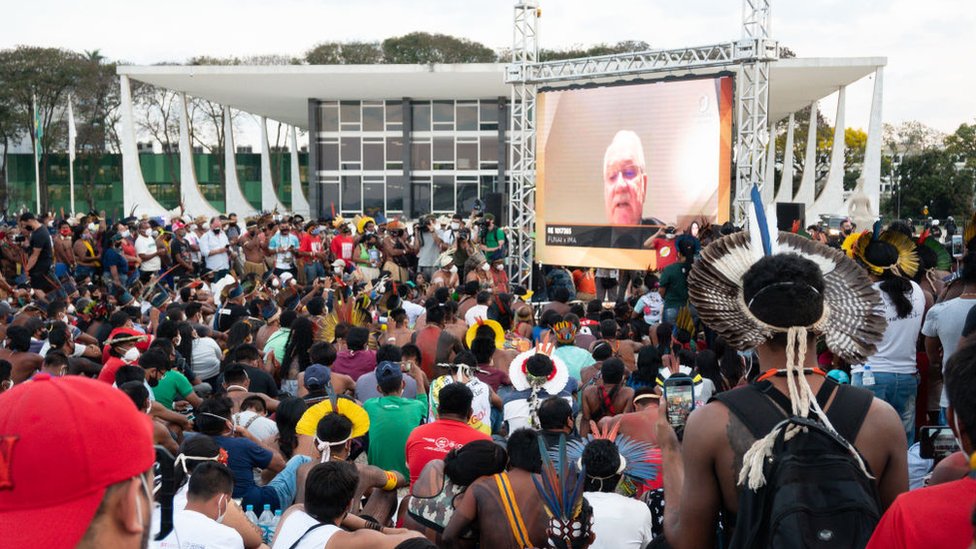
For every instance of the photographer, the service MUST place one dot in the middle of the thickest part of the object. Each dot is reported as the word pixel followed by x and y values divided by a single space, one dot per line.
pixel 429 245
pixel 493 240
pixel 464 248
pixel 397 251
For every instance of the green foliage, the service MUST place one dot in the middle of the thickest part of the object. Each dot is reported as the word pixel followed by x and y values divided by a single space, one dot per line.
pixel 962 145
pixel 932 178
pixel 624 46
pixel 345 53
pixel 424 48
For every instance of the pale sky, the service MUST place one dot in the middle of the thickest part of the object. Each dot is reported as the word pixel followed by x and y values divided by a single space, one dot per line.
pixel 930 45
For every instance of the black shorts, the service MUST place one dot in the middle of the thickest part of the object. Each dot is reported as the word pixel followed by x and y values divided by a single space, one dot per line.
pixel 42 280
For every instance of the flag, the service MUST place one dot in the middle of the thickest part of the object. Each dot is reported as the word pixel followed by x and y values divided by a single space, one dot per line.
pixel 38 129
pixel 72 132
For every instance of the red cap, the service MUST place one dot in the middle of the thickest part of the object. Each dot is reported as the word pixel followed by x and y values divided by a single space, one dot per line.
pixel 63 441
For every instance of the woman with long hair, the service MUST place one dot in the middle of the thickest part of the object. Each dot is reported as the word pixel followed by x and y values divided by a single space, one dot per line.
pixel 648 365
pixel 706 364
pixel 730 364
pixel 289 412
pixel 296 357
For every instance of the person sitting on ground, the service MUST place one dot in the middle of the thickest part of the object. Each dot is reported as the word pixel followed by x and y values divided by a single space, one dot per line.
pixel 366 385
pixel 237 386
pixel 249 357
pixel 510 494
pixel 254 417
pixel 535 377
pixel 608 397
pixel 330 491
pixel 624 349
pixel 484 350
pixel 392 417
pixel 639 424
pixel 575 357
pixel 618 521
pixel 463 371
pixel 430 505
pixel 557 421
pixel 451 429
pixel 168 385
pixel 140 397
pixel 323 355
pixel 200 523
pixel 245 453
pixel 356 360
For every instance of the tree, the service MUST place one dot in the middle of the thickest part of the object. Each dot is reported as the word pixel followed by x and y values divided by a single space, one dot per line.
pixel 345 53
pixel 931 178
pixel 159 117
pixel 11 131
pixel 96 102
pixel 424 48
pixel 49 74
pixel 624 46
pixel 962 145
pixel 855 143
pixel 825 141
pixel 909 138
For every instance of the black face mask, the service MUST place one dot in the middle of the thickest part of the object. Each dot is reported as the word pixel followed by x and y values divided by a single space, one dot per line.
pixel 216 231
pixel 152 382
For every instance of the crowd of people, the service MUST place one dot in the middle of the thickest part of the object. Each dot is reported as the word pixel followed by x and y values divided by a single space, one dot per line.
pixel 379 383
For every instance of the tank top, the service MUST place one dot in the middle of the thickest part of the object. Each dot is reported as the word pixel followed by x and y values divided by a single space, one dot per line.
pixel 298 524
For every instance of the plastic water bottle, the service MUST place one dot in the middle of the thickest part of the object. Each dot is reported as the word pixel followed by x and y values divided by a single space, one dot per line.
pixel 264 522
pixel 867 377
pixel 249 514
pixel 274 525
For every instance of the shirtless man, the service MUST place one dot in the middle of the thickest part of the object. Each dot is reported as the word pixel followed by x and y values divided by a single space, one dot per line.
pixel 454 324
pixel 237 385
pixel 436 344
pixel 640 424
pixel 63 253
pixel 700 473
pixel 253 242
pixel 85 255
pixel 16 351
pixel 625 349
pixel 398 333
pixel 483 506
pixel 446 276
pixel 608 397
pixel 333 435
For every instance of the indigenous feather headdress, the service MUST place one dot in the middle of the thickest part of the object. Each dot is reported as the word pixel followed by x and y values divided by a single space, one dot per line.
pixel 639 461
pixel 561 488
pixel 347 311
pixel 943 260
pixel 851 321
pixel 907 262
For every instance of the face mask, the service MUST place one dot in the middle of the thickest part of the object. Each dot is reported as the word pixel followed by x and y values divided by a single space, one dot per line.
pixel 220 514
pixel 152 383
pixel 453 269
pixel 93 227
pixel 125 233
pixel 216 231
pixel 66 232
pixel 177 340
pixel 485 267
pixel 144 232
pixel 500 267
pixel 455 226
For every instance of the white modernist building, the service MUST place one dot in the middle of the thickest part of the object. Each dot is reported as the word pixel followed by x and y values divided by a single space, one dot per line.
pixel 412 139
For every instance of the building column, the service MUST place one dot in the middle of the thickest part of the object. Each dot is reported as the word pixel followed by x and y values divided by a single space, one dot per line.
pixel 299 204
pixel 769 178
pixel 806 193
pixel 194 203
pixel 136 197
pixel 871 173
pixel 831 199
pixel 314 185
pixel 235 200
pixel 785 193
pixel 269 198
pixel 407 168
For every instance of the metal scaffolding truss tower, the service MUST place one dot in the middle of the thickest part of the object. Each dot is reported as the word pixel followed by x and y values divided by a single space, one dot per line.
pixel 750 55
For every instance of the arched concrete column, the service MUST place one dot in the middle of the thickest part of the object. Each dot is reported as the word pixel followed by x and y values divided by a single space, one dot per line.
pixel 299 204
pixel 871 174
pixel 235 200
pixel 769 179
pixel 831 199
pixel 194 202
pixel 135 194
pixel 805 194
pixel 269 198
pixel 785 193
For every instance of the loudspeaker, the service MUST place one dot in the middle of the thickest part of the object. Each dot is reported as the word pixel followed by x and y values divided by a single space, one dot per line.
pixel 494 204
pixel 787 213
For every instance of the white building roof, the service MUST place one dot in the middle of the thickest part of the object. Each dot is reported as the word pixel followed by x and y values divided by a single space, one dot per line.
pixel 281 92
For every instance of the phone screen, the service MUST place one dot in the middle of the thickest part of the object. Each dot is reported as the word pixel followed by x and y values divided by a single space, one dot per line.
pixel 957 245
pixel 680 394
pixel 936 442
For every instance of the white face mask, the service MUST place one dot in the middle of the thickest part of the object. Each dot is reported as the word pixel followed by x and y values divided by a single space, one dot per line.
pixel 221 514
pixel 93 227
pixel 125 233
pixel 485 267
pixel 500 266
pixel 453 269
pixel 177 340
pixel 455 225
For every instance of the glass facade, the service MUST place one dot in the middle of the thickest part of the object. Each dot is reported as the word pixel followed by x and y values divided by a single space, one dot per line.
pixel 367 161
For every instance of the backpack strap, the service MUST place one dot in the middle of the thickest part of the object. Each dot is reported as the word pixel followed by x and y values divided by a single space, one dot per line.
pixel 760 415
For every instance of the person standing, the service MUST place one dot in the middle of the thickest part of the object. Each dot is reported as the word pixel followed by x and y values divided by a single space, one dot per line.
pixel 40 256
pixel 253 244
pixel 284 245
pixel 86 257
pixel 674 283
pixel 149 253
pixel 312 252
pixel 215 249
pixel 65 258
pixel 179 251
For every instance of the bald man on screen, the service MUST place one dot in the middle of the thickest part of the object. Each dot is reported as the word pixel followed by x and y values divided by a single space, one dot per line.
pixel 624 179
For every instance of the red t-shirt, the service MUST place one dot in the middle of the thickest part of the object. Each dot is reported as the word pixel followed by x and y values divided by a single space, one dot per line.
pixel 585 281
pixel 667 252
pixel 112 365
pixel 342 248
pixel 426 341
pixel 937 516
pixel 434 440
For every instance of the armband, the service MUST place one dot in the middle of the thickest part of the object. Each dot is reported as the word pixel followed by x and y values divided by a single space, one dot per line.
pixel 391 481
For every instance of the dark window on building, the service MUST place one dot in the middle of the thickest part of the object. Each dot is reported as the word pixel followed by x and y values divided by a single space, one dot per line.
pixel 421 116
pixel 372 119
pixel 372 198
pixel 350 150
pixel 352 193
pixel 394 152
pixel 467 156
pixel 443 193
pixel 489 151
pixel 328 156
pixel 330 198
pixel 443 114
pixel 489 115
pixel 443 153
pixel 349 112
pixel 394 115
pixel 420 156
pixel 373 156
pixel 396 190
pixel 467 117
pixel 329 115
pixel 421 199
pixel 467 193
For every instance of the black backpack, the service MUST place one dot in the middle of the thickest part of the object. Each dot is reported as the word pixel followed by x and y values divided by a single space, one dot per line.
pixel 816 493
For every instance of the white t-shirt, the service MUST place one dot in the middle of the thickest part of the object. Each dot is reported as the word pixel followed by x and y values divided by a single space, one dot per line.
pixel 474 313
pixel 215 241
pixel 259 426
pixel 193 240
pixel 413 311
pixel 206 357
pixel 619 522
pixel 945 320
pixel 296 524
pixel 147 245
pixel 896 352
pixel 480 404
pixel 193 530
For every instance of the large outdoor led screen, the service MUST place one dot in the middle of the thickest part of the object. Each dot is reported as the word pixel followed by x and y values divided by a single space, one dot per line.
pixel 615 163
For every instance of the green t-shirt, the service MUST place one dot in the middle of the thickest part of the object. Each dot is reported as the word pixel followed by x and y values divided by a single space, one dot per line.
pixel 391 420
pixel 675 283
pixel 277 343
pixel 494 237
pixel 172 386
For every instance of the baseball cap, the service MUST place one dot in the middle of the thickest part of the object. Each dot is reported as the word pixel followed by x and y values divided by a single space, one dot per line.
pixel 388 371
pixel 64 441
pixel 317 377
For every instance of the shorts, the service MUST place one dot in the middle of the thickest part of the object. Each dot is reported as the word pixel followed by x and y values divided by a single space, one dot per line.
pixel 257 268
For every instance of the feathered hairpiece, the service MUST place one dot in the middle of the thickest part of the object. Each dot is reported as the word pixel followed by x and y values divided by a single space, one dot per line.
pixel 347 311
pixel 638 460
pixel 561 488
pixel 905 265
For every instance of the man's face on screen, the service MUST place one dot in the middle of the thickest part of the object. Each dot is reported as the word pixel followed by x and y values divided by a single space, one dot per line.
pixel 624 180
